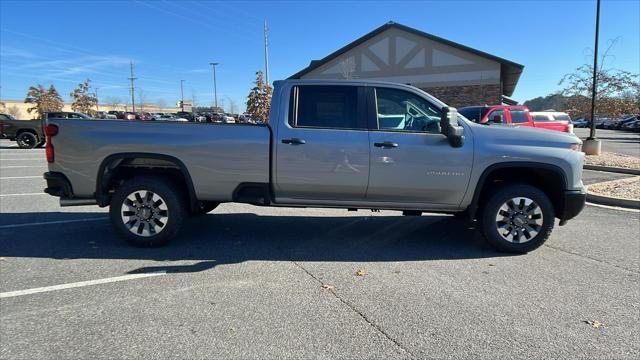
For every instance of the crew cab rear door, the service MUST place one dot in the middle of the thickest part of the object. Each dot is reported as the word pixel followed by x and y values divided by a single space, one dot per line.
pixel 411 160
pixel 322 149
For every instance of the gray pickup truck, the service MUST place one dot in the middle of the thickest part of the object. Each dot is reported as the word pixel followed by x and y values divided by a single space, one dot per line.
pixel 338 144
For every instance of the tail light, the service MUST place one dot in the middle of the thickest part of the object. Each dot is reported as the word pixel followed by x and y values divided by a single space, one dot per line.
pixel 50 131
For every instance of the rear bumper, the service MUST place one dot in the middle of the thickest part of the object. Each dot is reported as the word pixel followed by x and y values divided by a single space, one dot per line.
pixel 572 205
pixel 58 185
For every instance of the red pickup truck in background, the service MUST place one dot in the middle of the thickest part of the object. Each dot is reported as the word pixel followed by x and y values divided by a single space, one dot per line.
pixel 516 115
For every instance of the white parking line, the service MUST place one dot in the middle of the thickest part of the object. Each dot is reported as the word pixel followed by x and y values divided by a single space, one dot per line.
pixel 16 159
pixel 79 284
pixel 21 177
pixel 11 226
pixel 22 166
pixel 25 194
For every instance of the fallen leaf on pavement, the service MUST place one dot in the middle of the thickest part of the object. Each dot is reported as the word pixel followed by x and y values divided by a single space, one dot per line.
pixel 361 273
pixel 327 286
pixel 594 324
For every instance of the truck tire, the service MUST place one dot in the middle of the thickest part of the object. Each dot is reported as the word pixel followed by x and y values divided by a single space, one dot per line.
pixel 204 208
pixel 517 218
pixel 27 140
pixel 147 211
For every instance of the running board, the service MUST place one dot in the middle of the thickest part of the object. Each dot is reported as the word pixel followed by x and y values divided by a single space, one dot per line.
pixel 77 202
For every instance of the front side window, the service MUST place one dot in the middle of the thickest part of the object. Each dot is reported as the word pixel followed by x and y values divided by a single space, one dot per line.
pixel 518 116
pixel 324 107
pixel 403 111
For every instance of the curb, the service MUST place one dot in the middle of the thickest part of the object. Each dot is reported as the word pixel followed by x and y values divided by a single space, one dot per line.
pixel 611 169
pixel 612 201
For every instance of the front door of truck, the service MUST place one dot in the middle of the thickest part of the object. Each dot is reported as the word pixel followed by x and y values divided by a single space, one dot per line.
pixel 322 151
pixel 411 161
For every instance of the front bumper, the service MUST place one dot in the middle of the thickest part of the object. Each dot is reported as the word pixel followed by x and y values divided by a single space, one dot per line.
pixel 572 204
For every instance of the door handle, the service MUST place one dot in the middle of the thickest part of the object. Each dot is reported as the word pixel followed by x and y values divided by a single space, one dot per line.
pixel 294 141
pixel 386 144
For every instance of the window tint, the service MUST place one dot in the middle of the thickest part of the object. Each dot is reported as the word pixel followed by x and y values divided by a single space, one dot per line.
pixel 542 118
pixel 324 107
pixel 493 114
pixel 518 116
pixel 562 117
pixel 473 114
pixel 404 111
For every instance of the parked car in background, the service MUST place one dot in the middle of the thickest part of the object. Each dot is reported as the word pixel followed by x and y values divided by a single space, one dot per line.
pixel 105 115
pixel 511 115
pixel 553 120
pixel 226 118
pixel 623 120
pixel 244 118
pixel 26 133
pixel 129 115
pixel 146 116
pixel 601 123
pixel 581 123
pixel 185 115
pixel 66 115
pixel 118 114
pixel 631 126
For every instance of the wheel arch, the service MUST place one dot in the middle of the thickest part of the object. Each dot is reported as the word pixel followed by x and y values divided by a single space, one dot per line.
pixel 548 178
pixel 108 166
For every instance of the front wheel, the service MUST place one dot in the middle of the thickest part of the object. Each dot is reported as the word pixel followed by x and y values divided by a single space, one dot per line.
pixel 147 211
pixel 518 218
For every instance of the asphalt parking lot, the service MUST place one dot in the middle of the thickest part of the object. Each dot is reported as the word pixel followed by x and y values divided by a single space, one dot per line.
pixel 247 282
pixel 621 142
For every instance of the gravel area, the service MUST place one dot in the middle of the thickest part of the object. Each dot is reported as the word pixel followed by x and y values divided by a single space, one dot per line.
pixel 622 188
pixel 614 160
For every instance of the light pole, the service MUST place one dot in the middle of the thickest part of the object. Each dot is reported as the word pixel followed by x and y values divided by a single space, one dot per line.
pixel 181 95
pixel 215 86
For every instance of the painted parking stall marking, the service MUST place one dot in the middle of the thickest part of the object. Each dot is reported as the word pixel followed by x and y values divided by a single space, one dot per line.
pixel 79 284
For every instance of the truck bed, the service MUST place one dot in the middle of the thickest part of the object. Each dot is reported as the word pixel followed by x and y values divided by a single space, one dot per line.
pixel 218 157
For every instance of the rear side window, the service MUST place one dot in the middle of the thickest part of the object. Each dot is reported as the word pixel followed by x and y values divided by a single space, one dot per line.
pixel 518 116
pixel 562 117
pixel 542 118
pixel 320 106
pixel 4 117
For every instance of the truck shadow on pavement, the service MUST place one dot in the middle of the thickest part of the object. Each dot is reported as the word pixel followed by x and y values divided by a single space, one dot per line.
pixel 218 239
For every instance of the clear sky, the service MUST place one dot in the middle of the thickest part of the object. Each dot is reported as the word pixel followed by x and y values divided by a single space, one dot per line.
pixel 64 42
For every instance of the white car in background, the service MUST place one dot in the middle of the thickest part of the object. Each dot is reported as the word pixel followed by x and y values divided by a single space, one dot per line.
pixel 228 119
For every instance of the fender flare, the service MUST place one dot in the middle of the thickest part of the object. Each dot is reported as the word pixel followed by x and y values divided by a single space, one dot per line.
pixel 102 181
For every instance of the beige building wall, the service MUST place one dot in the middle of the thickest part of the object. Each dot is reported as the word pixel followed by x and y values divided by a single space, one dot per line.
pixel 21 108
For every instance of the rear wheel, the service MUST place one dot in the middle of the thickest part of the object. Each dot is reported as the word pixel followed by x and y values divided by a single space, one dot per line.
pixel 27 140
pixel 517 218
pixel 146 211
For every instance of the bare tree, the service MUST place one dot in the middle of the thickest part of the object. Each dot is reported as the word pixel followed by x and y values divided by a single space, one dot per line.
pixel 142 98
pixel 618 90
pixel 161 103
pixel 233 106
pixel 113 102
pixel 14 111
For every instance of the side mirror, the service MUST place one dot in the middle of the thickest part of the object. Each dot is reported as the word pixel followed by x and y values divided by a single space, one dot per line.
pixel 496 119
pixel 450 128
